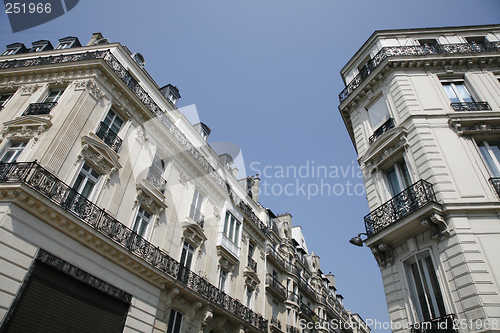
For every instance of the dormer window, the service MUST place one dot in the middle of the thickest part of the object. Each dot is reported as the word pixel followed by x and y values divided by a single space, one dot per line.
pixel 203 130
pixel 171 93
pixel 15 48
pixel 41 45
pixel 67 43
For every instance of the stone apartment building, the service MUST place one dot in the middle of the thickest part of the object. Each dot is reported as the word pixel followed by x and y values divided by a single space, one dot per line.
pixel 117 215
pixel 422 108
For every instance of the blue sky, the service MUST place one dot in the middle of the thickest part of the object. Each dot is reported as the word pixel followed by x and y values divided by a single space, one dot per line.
pixel 265 75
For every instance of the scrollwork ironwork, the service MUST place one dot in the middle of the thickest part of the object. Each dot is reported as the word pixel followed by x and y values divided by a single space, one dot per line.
pixel 109 137
pixel 39 108
pixel 471 106
pixel 403 204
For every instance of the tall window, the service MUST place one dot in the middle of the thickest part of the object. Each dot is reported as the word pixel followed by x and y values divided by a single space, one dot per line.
pixel 398 178
pixel 195 212
pixel 249 296
pixel 53 95
pixel 141 222
pixel 424 287
pixel 113 121
pixel 12 152
pixel 86 181
pixel 187 255
pixel 4 99
pixel 223 280
pixel 457 92
pixel 378 113
pixel 490 151
pixel 174 322
pixel 232 228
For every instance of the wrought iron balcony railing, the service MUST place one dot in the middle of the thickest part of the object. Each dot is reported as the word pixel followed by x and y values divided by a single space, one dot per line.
pixel 155 178
pixel 471 106
pixel 381 130
pixel 293 297
pixel 274 283
pixel 35 109
pixel 45 183
pixel 197 216
pixel 303 283
pixel 109 137
pixel 276 256
pixel 275 322
pixel 291 329
pixel 252 264
pixel 307 311
pixel 400 206
pixel 292 269
pixel 416 50
pixel 496 185
pixel 443 324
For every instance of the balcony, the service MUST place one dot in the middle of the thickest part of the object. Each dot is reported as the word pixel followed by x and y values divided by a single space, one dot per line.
pixel 400 206
pixel 155 178
pixel 471 106
pixel 275 322
pixel 109 137
pixel 291 329
pixel 381 130
pixel 292 269
pixel 38 179
pixel 228 245
pixel 252 264
pixel 275 255
pixel 496 185
pixel 307 311
pixel 35 109
pixel 444 324
pixel 272 282
pixel 416 50
pixel 304 285
pixel 197 216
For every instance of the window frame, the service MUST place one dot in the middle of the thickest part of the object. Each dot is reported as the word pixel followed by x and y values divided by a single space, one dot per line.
pixel 59 91
pixel 232 228
pixel 116 115
pixel 187 255
pixel 490 157
pixel 9 97
pixel 453 83
pixel 87 175
pixel 142 221
pixel 223 278
pixel 17 151
pixel 177 318
pixel 435 302
pixel 403 182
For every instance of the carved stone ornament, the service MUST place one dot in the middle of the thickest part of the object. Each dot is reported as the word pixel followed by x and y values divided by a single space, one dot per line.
pixel 93 88
pixel 29 89
pixel 168 301
pixel 208 315
pixel 9 85
pixel 148 201
pixel 99 155
pixel 25 127
pixel 216 211
pixel 226 265
pixel 383 255
pixel 193 234
pixel 183 178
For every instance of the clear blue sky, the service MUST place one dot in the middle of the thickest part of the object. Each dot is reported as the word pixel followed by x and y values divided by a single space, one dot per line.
pixel 265 75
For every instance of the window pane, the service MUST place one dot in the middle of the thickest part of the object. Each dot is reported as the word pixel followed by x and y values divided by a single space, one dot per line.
pixel 236 233
pixel 393 182
pixel 488 159
pixel 231 228
pixel 438 298
pixel 420 292
pixel 226 224
pixel 378 113
pixel 405 175
pixel 463 93
pixel 451 93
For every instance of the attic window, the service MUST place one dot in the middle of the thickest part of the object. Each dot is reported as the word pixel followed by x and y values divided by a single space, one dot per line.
pixel 14 49
pixel 428 42
pixel 67 43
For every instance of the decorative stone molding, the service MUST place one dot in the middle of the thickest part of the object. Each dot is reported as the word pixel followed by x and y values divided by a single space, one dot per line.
pixel 99 155
pixel 216 211
pixel 26 127
pixel 147 200
pixel 226 264
pixel 251 279
pixel 183 178
pixel 93 88
pixel 190 315
pixel 168 301
pixel 437 224
pixel 208 315
pixel 29 89
pixel 192 233
pixel 9 85
pixel 383 255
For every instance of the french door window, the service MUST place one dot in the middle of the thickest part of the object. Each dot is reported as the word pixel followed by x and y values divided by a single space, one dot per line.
pixel 424 287
pixel 223 280
pixel 86 181
pixel 398 178
pixel 113 121
pixel 12 152
pixel 490 151
pixel 232 228
pixel 187 255
pixel 53 95
pixel 174 322
pixel 4 99
pixel 141 222
pixel 457 92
